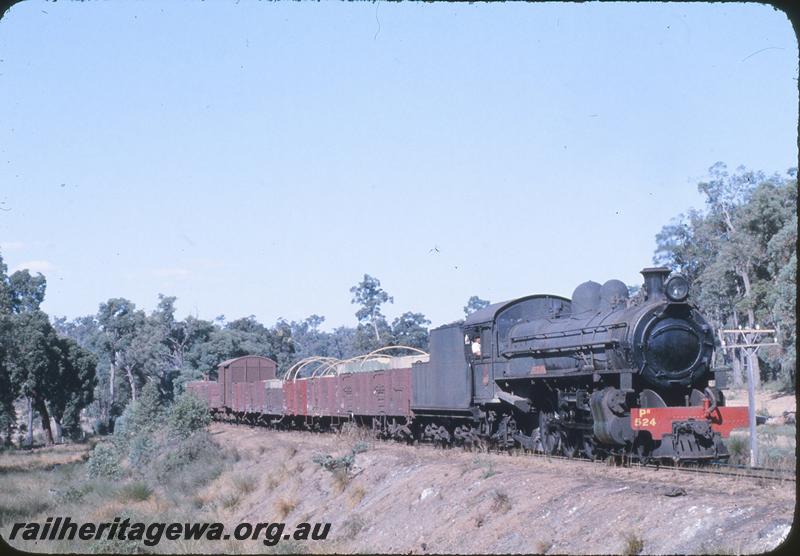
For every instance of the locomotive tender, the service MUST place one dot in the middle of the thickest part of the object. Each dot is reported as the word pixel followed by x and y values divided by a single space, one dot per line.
pixel 596 375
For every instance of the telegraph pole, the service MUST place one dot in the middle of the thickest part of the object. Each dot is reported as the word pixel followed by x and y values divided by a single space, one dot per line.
pixel 749 340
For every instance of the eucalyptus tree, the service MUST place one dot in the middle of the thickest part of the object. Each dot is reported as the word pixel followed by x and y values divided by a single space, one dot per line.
pixel 474 303
pixel 121 324
pixel 739 254
pixel 369 295
pixel 411 329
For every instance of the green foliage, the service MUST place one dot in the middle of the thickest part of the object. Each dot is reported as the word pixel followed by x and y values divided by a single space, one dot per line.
pixel 188 415
pixel 475 303
pixel 411 329
pixel 369 295
pixel 143 416
pixel 185 452
pixel 740 256
pixel 345 462
pixel 141 452
pixel 104 463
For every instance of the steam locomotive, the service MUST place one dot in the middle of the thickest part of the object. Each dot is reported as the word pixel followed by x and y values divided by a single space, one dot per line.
pixel 600 374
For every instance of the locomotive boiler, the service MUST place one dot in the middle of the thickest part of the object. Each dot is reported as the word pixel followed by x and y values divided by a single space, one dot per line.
pixel 601 372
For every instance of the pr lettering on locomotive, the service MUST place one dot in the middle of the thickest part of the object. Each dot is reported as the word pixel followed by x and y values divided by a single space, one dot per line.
pixel 595 375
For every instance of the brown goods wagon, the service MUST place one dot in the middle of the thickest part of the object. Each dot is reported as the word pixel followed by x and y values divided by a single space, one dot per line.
pixel 322 398
pixel 398 392
pixel 258 396
pixel 213 392
pixel 288 397
pixel 345 395
pixel 198 388
pixel 208 391
pixel 301 397
pixel 295 396
pixel 368 392
pixel 249 368
pixel 248 397
pixel 274 400
pixel 330 388
pixel 237 400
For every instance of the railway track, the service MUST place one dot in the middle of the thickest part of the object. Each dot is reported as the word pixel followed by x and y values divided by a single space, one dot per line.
pixel 710 468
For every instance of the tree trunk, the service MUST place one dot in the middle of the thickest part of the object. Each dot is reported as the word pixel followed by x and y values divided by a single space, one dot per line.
pixel 129 372
pixel 112 378
pixel 29 435
pixel 375 327
pixel 738 372
pixel 752 358
pixel 738 379
pixel 41 407
pixel 59 432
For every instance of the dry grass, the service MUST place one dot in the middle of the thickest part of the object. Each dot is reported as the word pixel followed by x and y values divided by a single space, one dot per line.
pixel 501 503
pixel 272 481
pixel 244 483
pixel 341 478
pixel 230 500
pixel 353 526
pixel 632 545
pixel 43 458
pixel 357 494
pixel 284 506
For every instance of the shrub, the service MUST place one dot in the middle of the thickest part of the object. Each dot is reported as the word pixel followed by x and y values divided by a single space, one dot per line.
pixel 230 500
pixel 104 463
pixel 501 503
pixel 344 462
pixel 188 415
pixel 244 483
pixel 142 417
pixel 739 448
pixel 137 491
pixel 183 452
pixel 353 525
pixel 141 452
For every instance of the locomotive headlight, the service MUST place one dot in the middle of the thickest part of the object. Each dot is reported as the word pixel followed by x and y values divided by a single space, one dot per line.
pixel 677 288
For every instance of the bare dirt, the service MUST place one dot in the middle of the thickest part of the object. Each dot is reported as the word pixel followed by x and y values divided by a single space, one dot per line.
pixel 426 500
pixel 772 404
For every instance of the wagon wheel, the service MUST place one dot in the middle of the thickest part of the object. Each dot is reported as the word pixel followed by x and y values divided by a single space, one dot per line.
pixel 570 443
pixel 588 447
pixel 549 434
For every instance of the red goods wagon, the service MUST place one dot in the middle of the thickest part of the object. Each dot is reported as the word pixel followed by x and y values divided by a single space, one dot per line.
pixel 301 397
pixel 249 368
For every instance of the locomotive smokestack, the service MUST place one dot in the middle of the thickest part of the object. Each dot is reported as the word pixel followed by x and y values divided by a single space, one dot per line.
pixel 654 282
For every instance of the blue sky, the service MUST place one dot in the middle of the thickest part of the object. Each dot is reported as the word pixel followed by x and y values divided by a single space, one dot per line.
pixel 259 158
